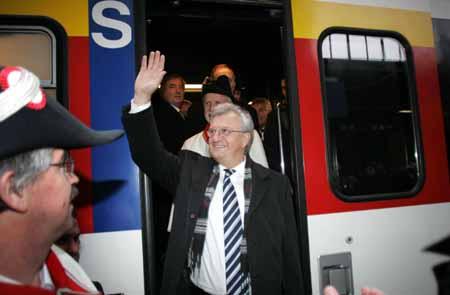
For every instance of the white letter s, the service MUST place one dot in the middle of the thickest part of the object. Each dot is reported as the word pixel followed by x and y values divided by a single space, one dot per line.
pixel 100 19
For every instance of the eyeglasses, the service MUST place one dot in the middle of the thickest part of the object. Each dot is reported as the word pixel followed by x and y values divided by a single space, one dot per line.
pixel 67 164
pixel 222 131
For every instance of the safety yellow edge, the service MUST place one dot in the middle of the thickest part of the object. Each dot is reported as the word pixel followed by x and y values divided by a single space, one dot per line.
pixel 73 15
pixel 311 17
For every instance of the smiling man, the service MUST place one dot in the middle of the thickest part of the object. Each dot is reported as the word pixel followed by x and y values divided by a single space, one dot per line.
pixel 214 93
pixel 233 230
pixel 37 187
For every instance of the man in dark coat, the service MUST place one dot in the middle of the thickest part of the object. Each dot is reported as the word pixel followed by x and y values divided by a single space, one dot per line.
pixel 171 126
pixel 170 120
pixel 260 255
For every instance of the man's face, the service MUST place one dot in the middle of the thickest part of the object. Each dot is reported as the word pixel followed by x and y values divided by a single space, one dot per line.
pixel 211 100
pixel 70 241
pixel 228 150
pixel 224 71
pixel 262 110
pixel 51 197
pixel 173 91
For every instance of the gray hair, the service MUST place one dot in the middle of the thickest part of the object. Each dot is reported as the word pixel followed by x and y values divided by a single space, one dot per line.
pixel 26 167
pixel 246 119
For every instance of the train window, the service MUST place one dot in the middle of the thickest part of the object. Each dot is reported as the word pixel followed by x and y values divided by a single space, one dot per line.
pixel 441 29
pixel 373 139
pixel 38 43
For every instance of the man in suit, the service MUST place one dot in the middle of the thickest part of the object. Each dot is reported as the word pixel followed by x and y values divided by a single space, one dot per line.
pixel 233 230
pixel 167 109
pixel 172 129
pixel 37 188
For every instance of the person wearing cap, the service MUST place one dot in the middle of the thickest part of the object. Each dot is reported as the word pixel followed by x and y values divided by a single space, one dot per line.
pixel 234 228
pixel 225 70
pixel 216 92
pixel 37 187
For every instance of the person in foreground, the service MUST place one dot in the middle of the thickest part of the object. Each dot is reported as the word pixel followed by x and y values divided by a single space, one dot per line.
pixel 233 230
pixel 37 187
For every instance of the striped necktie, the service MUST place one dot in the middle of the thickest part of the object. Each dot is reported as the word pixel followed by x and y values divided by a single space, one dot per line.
pixel 233 232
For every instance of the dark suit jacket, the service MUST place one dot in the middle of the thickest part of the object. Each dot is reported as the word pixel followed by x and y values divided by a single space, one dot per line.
pixel 171 125
pixel 273 252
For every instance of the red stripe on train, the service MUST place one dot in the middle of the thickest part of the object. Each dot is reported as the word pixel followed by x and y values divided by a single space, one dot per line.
pixel 79 105
pixel 319 196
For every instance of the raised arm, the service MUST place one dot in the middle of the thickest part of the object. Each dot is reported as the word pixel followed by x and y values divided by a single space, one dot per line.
pixel 146 148
pixel 149 77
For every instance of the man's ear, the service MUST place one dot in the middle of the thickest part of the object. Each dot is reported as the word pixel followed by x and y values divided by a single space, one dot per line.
pixel 248 135
pixel 12 199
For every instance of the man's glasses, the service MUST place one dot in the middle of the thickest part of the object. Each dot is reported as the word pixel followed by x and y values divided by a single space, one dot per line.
pixel 222 131
pixel 67 164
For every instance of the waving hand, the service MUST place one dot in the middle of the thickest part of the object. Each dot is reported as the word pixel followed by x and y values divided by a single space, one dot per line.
pixel 149 77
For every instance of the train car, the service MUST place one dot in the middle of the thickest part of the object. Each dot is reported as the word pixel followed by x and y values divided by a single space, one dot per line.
pixel 373 147
pixel 84 52
pixel 368 105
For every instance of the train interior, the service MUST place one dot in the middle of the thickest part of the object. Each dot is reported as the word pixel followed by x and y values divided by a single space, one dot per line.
pixel 196 35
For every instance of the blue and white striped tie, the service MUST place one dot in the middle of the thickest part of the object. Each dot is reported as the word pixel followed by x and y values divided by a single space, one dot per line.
pixel 233 232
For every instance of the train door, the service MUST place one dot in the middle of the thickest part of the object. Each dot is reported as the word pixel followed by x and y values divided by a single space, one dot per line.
pixel 373 142
pixel 196 35
pixel 84 53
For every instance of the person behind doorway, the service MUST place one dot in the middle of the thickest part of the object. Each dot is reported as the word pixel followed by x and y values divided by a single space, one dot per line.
pixel 169 117
pixel 277 136
pixel 222 241
pixel 171 124
pixel 263 108
pixel 37 187
pixel 225 70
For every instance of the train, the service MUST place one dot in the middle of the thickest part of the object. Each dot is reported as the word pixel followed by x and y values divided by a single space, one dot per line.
pixel 368 106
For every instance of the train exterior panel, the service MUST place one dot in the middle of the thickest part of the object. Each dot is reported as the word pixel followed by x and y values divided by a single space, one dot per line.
pixel 101 70
pixel 386 238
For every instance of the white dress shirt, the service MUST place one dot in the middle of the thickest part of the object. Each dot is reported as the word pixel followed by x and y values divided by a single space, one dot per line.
pixel 211 275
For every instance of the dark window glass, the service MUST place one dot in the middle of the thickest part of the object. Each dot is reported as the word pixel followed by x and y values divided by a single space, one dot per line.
pixel 441 29
pixel 373 140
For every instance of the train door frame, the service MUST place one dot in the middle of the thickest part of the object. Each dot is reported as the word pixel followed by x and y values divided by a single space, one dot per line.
pixel 298 176
pixel 288 59
pixel 140 37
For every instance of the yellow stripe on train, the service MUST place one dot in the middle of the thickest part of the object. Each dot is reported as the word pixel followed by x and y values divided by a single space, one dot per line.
pixel 311 17
pixel 72 14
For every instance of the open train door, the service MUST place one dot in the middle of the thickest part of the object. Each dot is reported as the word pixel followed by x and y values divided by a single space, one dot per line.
pixel 370 152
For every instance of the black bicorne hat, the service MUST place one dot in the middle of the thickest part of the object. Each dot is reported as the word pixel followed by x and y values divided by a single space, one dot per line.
pixel 220 86
pixel 29 120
